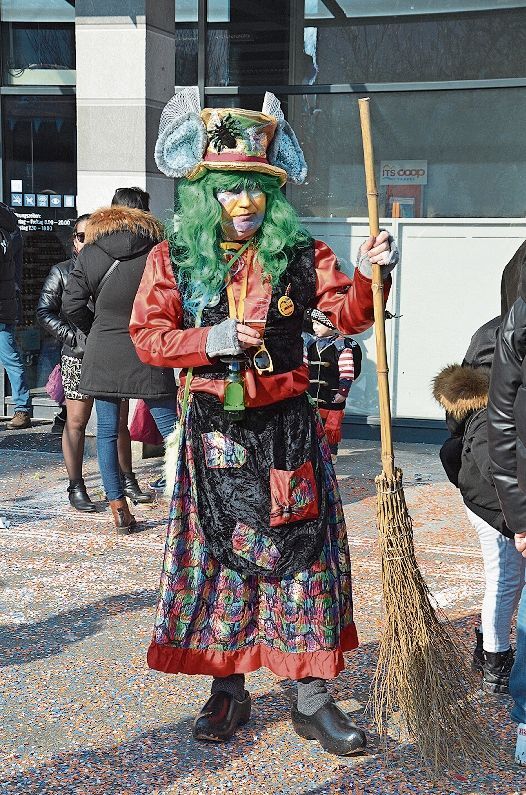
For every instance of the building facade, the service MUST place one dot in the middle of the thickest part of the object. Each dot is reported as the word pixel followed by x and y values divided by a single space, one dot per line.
pixel 447 81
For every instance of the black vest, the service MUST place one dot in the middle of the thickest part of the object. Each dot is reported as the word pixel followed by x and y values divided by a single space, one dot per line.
pixel 282 336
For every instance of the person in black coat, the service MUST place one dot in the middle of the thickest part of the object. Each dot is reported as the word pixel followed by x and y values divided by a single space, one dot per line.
pixel 110 267
pixel 507 450
pixel 462 390
pixel 78 406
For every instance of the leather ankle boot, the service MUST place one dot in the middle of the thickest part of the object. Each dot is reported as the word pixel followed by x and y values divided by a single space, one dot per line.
pixel 123 519
pixel 79 498
pixel 497 670
pixel 132 490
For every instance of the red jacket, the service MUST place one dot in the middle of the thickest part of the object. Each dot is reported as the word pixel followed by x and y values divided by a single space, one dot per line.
pixel 156 321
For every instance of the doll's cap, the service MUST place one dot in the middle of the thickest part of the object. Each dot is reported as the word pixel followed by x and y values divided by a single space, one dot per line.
pixel 320 317
pixel 192 141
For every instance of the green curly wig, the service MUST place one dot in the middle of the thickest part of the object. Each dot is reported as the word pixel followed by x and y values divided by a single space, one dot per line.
pixel 195 235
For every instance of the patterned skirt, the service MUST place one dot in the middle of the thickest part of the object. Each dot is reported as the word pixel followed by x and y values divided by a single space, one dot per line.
pixel 71 368
pixel 213 620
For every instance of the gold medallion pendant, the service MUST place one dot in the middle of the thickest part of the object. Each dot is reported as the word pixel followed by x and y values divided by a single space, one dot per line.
pixel 286 306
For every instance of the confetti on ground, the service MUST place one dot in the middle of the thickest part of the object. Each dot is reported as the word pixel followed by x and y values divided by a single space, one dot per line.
pixel 83 715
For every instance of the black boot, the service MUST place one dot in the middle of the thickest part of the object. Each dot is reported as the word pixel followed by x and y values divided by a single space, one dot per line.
pixel 497 670
pixel 333 729
pixel 132 490
pixel 477 663
pixel 220 717
pixel 79 498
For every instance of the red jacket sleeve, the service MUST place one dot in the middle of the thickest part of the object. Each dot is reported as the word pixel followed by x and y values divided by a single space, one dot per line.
pixel 347 302
pixel 156 319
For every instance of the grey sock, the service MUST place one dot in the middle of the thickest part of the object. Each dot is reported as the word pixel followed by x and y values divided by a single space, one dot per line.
pixel 233 684
pixel 312 694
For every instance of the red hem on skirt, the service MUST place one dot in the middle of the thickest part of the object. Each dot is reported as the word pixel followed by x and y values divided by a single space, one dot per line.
pixel 321 664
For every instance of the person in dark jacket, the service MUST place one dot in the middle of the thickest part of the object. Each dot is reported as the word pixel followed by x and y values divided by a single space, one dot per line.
pixel 110 268
pixel 78 405
pixel 10 286
pixel 463 392
pixel 507 450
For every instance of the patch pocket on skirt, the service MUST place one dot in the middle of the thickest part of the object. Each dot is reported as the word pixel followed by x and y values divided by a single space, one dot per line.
pixel 221 452
pixel 254 546
pixel 293 495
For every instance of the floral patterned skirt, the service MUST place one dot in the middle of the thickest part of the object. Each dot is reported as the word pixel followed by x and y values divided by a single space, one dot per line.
pixel 71 369
pixel 213 620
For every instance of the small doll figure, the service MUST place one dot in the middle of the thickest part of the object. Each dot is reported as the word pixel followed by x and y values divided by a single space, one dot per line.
pixel 334 363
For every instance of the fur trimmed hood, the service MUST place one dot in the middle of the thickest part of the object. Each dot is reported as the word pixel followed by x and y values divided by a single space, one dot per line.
pixel 461 390
pixel 108 220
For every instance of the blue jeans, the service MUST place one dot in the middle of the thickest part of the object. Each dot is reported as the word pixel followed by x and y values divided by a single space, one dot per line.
pixel 108 410
pixel 164 414
pixel 12 361
pixel 518 673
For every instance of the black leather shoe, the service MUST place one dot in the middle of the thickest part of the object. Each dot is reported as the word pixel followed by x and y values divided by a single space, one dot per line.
pixel 220 717
pixel 333 729
pixel 79 498
pixel 132 490
pixel 497 670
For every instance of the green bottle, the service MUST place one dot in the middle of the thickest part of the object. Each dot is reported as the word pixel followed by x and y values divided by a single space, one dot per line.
pixel 234 401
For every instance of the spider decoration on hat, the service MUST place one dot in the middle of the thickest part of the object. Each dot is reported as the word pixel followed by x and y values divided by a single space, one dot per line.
pixel 224 134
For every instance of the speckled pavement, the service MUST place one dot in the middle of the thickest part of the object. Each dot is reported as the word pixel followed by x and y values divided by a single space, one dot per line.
pixel 80 713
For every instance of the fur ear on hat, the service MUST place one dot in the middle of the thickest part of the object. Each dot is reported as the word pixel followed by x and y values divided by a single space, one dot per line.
pixel 285 151
pixel 182 136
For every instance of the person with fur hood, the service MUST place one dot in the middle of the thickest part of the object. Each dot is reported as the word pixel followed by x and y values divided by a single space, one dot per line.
pixel 462 390
pixel 108 270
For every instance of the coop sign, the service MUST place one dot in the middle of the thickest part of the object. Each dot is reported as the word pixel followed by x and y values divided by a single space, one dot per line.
pixel 403 172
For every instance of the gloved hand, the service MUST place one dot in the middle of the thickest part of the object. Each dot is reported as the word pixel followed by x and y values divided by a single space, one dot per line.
pixel 222 340
pixel 382 250
pixel 79 347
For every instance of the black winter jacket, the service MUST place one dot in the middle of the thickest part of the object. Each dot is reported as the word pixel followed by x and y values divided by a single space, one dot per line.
pixel 49 311
pixel 11 276
pixel 463 392
pixel 110 367
pixel 507 414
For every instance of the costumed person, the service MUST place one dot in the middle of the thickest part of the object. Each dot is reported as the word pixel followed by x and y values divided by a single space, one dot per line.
pixel 256 570
pixel 462 390
pixel 507 450
pixel 334 363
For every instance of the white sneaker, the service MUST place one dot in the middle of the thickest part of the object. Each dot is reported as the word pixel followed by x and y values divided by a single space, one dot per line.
pixel 520 750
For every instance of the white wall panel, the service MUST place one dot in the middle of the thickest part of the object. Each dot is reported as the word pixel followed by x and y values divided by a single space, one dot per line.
pixel 447 285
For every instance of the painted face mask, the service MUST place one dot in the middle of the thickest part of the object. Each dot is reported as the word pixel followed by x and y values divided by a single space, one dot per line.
pixel 242 212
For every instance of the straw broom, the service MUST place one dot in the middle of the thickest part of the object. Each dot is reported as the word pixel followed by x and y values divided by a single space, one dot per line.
pixel 420 670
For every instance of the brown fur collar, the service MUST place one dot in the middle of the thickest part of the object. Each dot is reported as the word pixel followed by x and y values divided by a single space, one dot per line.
pixel 461 390
pixel 122 219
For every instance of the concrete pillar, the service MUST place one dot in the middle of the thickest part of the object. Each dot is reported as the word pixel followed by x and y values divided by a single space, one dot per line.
pixel 125 75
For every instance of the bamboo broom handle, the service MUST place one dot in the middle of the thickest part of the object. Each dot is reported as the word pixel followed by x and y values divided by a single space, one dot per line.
pixel 378 294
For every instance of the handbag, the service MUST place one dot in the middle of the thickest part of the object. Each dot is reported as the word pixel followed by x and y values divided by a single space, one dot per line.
pixel 142 427
pixel 54 386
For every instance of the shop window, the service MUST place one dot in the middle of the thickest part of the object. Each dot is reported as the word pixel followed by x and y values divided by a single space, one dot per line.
pixel 39 180
pixel 186 42
pixel 466 46
pixel 249 44
pixel 38 42
pixel 450 155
